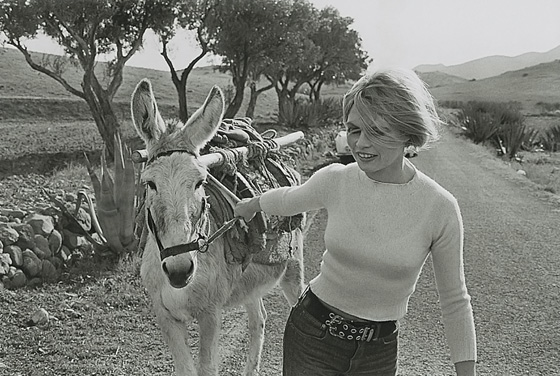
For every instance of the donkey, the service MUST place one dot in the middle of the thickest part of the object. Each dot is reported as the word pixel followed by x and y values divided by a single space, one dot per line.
pixel 189 285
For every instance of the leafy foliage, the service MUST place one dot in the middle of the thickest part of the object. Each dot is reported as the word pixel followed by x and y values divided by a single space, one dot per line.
pixel 477 122
pixel 550 138
pixel 306 114
pixel 499 123
pixel 86 30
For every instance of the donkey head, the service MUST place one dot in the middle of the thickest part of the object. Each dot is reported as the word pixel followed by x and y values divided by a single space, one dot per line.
pixel 175 200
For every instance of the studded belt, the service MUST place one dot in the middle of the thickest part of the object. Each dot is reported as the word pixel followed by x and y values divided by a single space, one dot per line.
pixel 345 328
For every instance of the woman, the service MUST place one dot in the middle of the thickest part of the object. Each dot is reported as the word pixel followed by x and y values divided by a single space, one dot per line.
pixel 384 218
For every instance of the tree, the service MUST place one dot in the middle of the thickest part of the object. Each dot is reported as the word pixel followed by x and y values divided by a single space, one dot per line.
pixel 293 61
pixel 246 33
pixel 340 58
pixel 192 15
pixel 86 29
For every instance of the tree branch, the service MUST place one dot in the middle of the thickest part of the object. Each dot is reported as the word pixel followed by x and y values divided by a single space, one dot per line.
pixel 16 43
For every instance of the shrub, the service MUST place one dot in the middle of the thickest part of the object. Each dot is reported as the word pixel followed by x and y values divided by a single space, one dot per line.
pixel 548 108
pixel 499 123
pixel 478 122
pixel 514 136
pixel 305 114
pixel 550 139
pixel 450 104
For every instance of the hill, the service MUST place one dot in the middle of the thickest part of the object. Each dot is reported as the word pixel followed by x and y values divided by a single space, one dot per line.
pixel 21 86
pixel 27 94
pixel 528 86
pixel 437 79
pixel 493 65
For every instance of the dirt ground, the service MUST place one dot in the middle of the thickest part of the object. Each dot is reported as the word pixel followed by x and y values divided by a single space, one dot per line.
pixel 101 322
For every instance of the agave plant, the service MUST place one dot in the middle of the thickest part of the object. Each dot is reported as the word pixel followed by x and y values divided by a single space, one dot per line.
pixel 116 200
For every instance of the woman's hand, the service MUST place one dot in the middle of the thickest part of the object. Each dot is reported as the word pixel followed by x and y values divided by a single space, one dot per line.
pixel 247 208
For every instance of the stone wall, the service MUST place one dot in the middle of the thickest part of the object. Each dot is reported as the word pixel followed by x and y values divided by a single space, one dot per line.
pixel 36 246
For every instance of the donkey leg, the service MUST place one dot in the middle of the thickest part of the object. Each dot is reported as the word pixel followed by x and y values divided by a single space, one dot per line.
pixel 209 325
pixel 175 335
pixel 292 281
pixel 256 314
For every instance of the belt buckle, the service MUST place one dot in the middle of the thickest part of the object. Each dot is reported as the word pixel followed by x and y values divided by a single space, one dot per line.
pixel 341 329
pixel 332 323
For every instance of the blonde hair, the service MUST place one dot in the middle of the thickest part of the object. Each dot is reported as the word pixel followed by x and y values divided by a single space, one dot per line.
pixel 399 97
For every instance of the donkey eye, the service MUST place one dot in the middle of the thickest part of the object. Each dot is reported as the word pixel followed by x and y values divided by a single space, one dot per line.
pixel 151 185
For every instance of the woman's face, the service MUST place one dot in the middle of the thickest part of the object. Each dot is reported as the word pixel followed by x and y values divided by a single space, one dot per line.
pixel 380 161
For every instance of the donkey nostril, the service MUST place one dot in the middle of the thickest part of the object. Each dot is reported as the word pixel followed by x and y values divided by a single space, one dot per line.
pixel 164 267
pixel 178 272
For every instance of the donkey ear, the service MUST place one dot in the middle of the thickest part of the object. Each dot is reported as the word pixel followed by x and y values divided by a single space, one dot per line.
pixel 204 123
pixel 145 114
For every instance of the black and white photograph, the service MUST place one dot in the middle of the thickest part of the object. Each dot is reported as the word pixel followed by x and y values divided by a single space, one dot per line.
pixel 279 187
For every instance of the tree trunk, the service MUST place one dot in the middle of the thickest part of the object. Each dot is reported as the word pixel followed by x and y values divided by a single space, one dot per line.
pixel 235 104
pixel 253 99
pixel 105 119
pixel 183 111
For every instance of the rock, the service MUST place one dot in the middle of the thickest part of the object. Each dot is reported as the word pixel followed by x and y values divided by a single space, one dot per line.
pixel 18 280
pixel 43 244
pixel 48 271
pixel 39 253
pixel 39 317
pixel 35 282
pixel 521 172
pixel 42 224
pixel 65 253
pixel 82 217
pixel 31 264
pixel 55 241
pixel 72 240
pixel 8 235
pixel 12 213
pixel 12 271
pixel 71 197
pixel 51 211
pixel 4 219
pixel 5 263
pixel 1 246
pixel 57 263
pixel 15 254
pixel 26 235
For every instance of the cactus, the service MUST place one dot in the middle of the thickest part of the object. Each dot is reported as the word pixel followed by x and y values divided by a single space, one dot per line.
pixel 116 200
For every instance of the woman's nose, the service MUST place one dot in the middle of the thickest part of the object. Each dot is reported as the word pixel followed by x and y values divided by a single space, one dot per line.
pixel 363 140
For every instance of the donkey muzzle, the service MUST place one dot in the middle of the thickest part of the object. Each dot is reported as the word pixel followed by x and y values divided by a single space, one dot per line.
pixel 179 269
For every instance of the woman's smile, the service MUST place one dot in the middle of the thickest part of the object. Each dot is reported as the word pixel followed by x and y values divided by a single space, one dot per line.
pixel 366 156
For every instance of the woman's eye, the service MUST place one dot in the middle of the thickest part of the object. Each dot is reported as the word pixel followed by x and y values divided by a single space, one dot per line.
pixel 150 184
pixel 353 130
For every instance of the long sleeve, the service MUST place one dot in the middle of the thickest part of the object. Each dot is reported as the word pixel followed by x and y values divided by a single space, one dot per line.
pixel 447 258
pixel 311 195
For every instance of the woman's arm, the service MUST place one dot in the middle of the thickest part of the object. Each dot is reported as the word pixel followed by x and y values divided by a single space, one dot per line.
pixel 455 301
pixel 286 201
pixel 247 208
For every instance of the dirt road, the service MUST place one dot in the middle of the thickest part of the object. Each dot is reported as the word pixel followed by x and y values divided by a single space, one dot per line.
pixel 512 266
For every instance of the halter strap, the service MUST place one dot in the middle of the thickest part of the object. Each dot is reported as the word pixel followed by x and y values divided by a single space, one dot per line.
pixel 169 152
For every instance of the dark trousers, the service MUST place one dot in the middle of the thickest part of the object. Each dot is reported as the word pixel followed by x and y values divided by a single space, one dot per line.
pixel 310 350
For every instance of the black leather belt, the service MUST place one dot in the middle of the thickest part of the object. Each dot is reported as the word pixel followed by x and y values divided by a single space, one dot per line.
pixel 345 328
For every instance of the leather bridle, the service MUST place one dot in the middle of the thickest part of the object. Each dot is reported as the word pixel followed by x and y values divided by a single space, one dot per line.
pixel 202 242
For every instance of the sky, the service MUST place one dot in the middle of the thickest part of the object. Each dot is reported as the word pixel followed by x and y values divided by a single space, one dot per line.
pixel 408 33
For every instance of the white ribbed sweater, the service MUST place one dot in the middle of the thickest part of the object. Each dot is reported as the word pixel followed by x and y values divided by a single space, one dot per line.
pixel 377 239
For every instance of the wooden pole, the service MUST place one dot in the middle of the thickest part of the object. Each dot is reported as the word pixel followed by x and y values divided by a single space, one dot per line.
pixel 214 159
